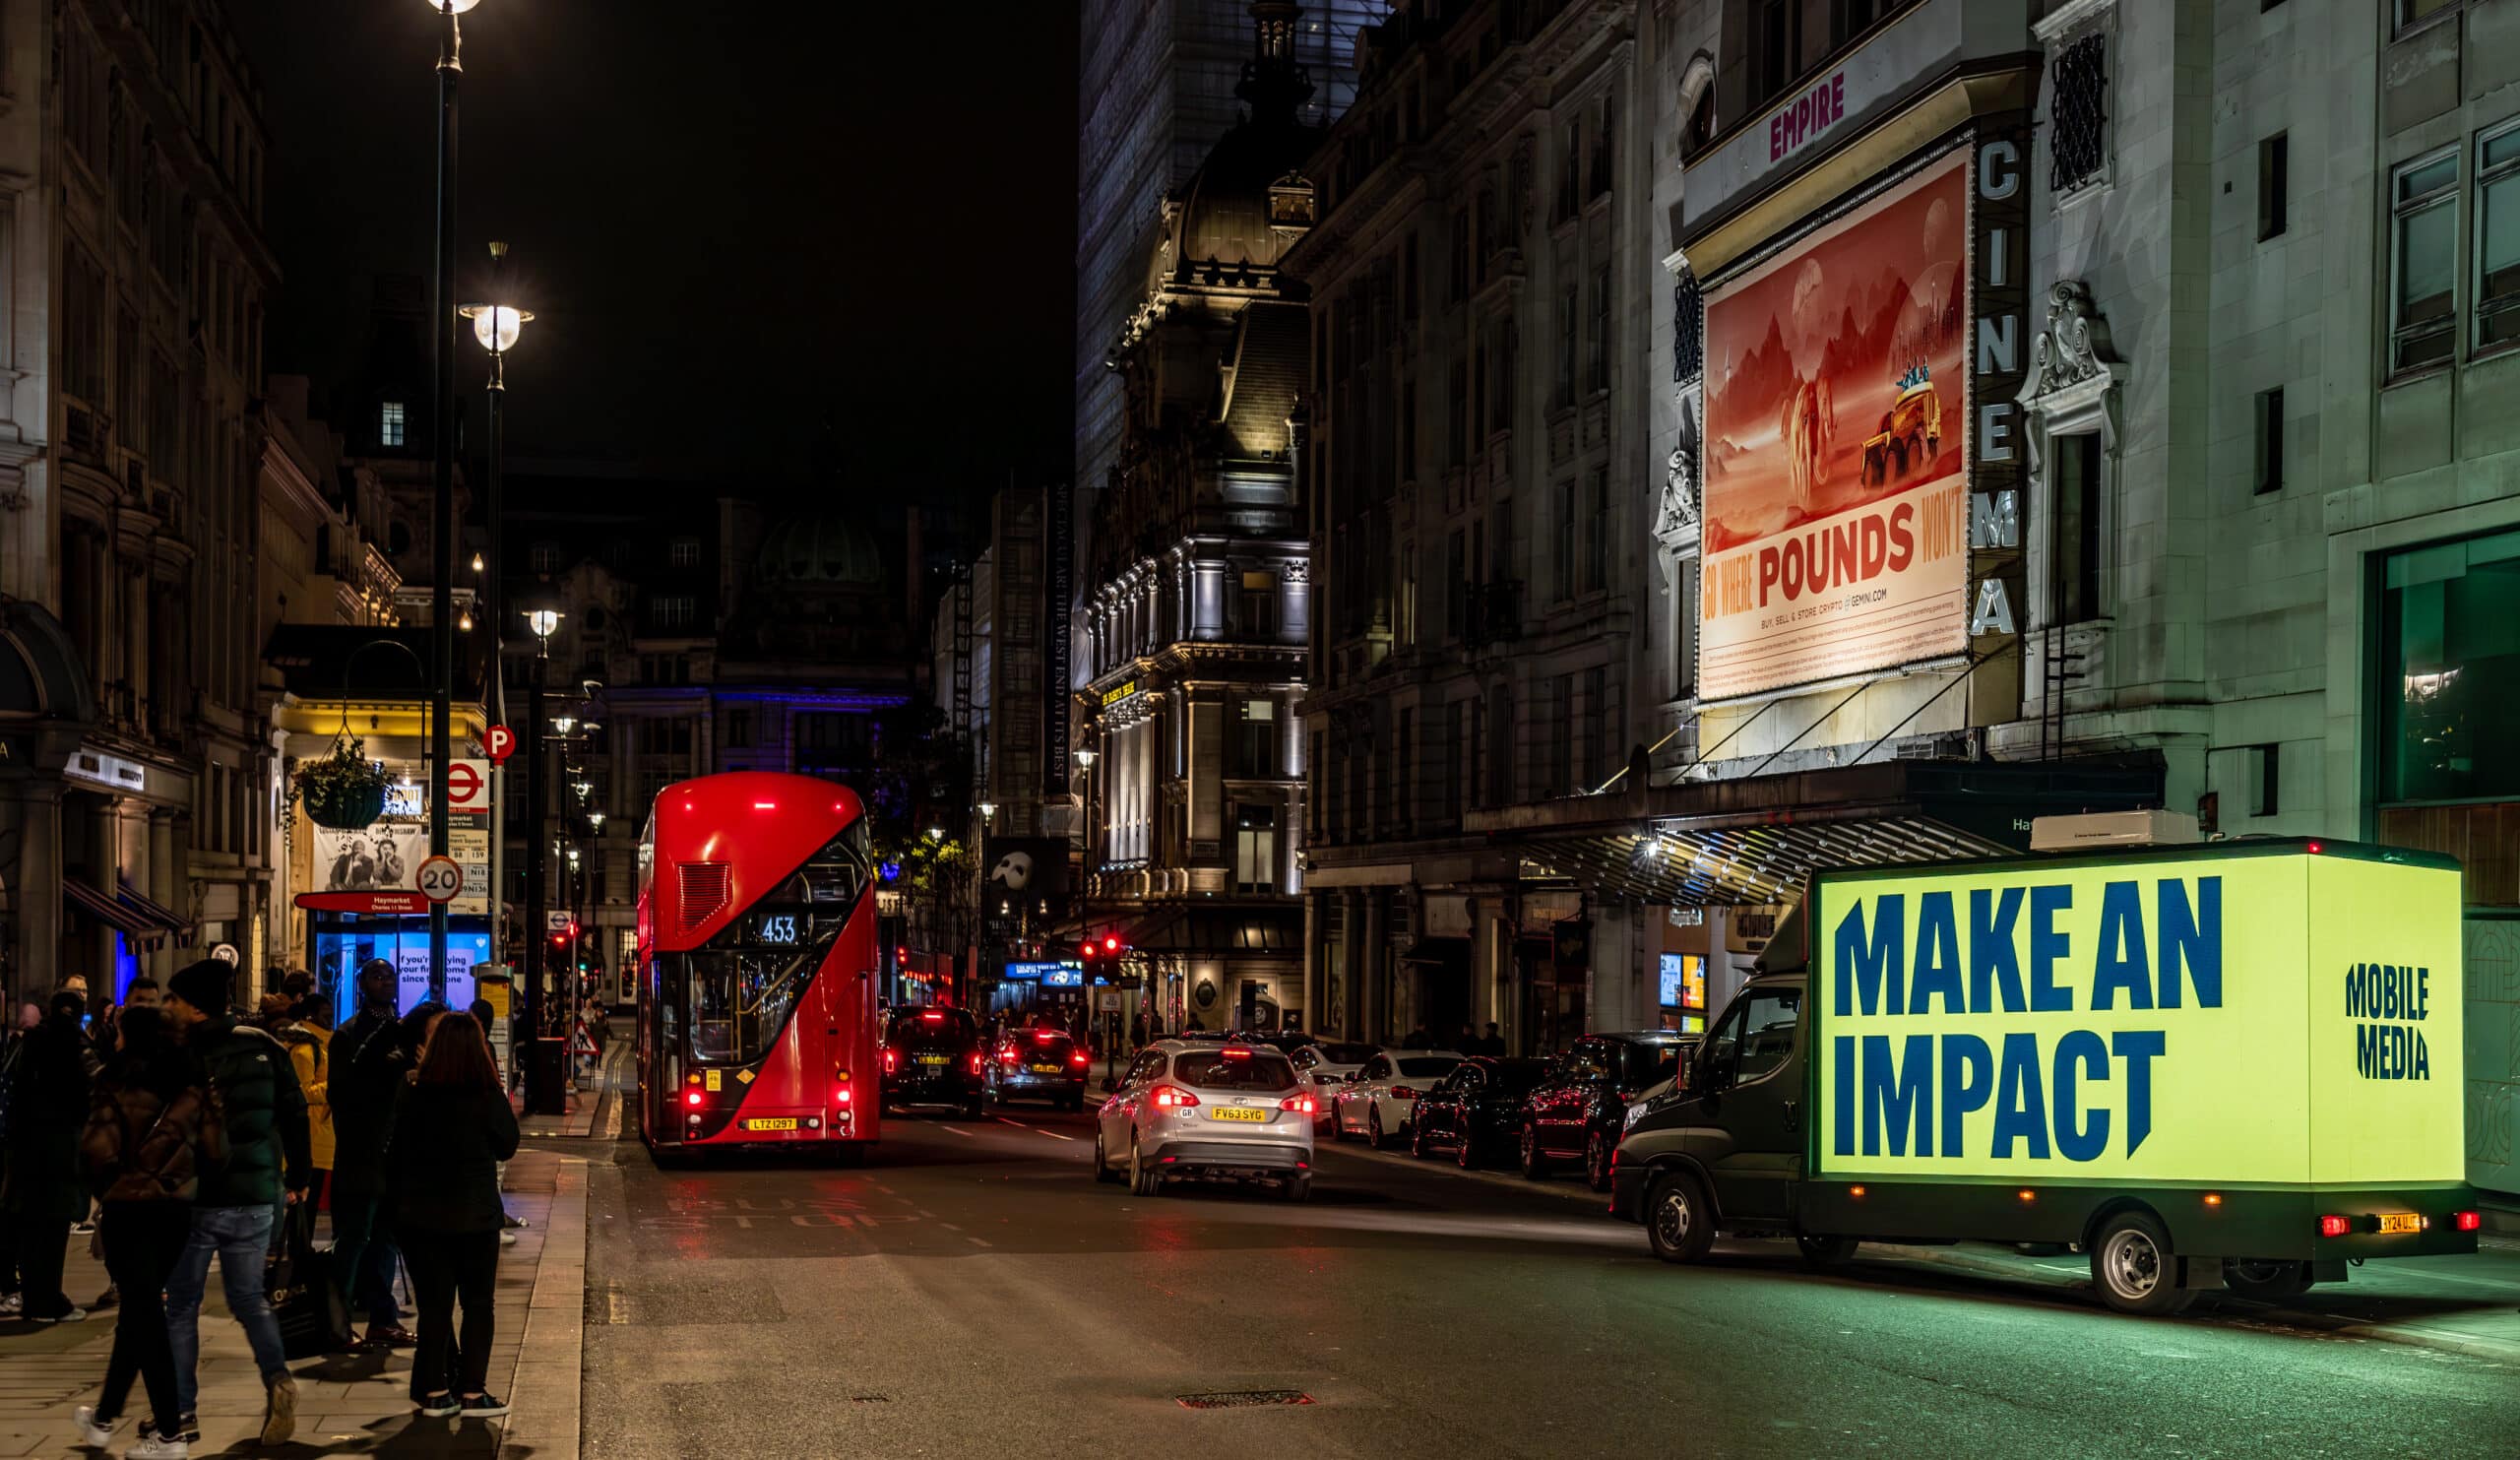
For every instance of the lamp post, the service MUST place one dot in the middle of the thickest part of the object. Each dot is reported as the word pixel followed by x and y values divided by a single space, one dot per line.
pixel 1085 757
pixel 545 620
pixel 497 327
pixel 442 630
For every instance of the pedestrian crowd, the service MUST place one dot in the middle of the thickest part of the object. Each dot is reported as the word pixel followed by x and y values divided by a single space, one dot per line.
pixel 190 1133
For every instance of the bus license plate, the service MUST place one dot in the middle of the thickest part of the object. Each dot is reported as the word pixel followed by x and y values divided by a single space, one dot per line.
pixel 1045 1069
pixel 2400 1222
pixel 781 1122
pixel 1236 1113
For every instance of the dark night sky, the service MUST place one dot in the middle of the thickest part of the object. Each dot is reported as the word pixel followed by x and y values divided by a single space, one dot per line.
pixel 739 224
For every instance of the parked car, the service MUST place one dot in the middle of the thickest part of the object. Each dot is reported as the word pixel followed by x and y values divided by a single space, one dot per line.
pixel 1580 1111
pixel 932 1057
pixel 1477 1110
pixel 1326 1067
pixel 1376 1100
pixel 1039 1064
pixel 1194 1109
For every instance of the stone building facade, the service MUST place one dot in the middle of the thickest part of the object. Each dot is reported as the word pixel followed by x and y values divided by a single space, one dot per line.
pixel 1196 582
pixel 138 801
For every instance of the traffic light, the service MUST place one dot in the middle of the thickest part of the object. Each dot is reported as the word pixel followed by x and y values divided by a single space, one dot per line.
pixel 1111 947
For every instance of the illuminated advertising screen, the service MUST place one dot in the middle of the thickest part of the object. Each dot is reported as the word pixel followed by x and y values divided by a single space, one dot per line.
pixel 1683 980
pixel 1836 519
pixel 2281 1018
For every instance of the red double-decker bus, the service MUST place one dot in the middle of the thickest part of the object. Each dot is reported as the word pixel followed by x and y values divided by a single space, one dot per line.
pixel 757 966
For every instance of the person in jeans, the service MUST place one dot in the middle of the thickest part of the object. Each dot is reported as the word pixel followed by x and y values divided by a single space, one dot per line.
pixel 453 1131
pixel 368 1070
pixel 263 1115
pixel 47 1109
pixel 152 1126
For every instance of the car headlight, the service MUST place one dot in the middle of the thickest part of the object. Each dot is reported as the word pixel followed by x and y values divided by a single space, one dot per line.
pixel 1634 1115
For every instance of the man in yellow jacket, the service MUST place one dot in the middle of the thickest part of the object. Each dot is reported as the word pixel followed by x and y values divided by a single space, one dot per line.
pixel 308 1036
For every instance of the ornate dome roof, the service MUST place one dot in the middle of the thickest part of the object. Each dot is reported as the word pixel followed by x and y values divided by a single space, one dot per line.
pixel 820 550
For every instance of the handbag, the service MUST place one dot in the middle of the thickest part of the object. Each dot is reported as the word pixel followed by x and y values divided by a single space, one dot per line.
pixel 306 1292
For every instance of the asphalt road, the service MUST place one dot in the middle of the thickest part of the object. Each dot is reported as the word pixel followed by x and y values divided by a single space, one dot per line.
pixel 971 1291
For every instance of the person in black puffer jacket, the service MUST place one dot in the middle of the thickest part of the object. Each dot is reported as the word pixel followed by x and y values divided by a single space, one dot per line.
pixel 236 1210
pixel 152 1125
pixel 453 1131
pixel 48 1106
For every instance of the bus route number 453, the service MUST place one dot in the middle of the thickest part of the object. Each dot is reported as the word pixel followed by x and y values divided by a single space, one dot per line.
pixel 441 879
pixel 778 928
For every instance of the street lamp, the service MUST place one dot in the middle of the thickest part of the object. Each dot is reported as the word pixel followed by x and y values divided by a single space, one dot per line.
pixel 988 812
pixel 442 629
pixel 564 725
pixel 542 1096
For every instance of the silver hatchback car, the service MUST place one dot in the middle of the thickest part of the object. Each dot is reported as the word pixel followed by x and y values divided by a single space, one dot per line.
pixel 1201 1109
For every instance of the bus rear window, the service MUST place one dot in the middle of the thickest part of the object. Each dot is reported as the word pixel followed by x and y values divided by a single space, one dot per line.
pixel 739 998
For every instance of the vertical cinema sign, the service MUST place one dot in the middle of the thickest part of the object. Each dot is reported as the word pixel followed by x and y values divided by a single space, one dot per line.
pixel 1999 447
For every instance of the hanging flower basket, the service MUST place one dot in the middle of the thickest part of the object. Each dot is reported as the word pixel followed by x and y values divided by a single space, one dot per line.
pixel 345 790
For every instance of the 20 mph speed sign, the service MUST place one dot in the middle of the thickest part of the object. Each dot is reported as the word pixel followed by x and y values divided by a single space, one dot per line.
pixel 441 879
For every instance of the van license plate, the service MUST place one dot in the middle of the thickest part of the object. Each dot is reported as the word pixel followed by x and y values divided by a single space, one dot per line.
pixel 781 1122
pixel 1045 1069
pixel 934 1061
pixel 1236 1113
pixel 2400 1222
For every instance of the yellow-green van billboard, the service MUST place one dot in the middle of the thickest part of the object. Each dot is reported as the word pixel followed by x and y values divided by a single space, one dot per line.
pixel 2283 1017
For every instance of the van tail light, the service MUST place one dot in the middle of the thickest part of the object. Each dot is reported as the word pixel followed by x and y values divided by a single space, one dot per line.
pixel 1172 1097
pixel 2468 1220
pixel 976 1061
pixel 2335 1226
pixel 892 1060
pixel 1404 1092
pixel 1302 1104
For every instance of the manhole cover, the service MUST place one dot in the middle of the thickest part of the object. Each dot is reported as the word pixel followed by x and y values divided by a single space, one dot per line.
pixel 1235 1399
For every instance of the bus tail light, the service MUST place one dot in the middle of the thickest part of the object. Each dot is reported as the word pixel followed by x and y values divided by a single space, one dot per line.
pixel 1172 1096
pixel 840 1096
pixel 1302 1104
pixel 2468 1220
pixel 692 1097
pixel 2335 1226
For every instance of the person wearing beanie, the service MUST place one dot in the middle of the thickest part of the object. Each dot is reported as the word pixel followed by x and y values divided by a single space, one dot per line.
pixel 264 1113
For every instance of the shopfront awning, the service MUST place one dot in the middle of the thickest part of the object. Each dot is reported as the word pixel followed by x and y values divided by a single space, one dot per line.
pixel 105 910
pixel 1754 841
pixel 1218 932
pixel 151 914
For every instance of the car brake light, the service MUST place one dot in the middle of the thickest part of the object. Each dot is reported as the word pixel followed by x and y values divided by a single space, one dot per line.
pixel 1302 1104
pixel 1080 1059
pixel 1006 1056
pixel 976 1061
pixel 692 1099
pixel 2468 1220
pixel 890 1061
pixel 1174 1097
pixel 932 1017
pixel 2334 1226
pixel 1403 1091
pixel 1235 1051
pixel 1042 1036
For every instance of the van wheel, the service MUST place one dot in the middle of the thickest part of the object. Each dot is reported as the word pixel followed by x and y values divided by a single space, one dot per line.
pixel 1678 1223
pixel 2133 1268
pixel 2266 1280
pixel 1824 1251
pixel 1596 1161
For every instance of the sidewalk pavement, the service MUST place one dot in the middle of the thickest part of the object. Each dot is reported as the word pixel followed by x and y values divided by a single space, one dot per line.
pixel 346 1403
pixel 582 1106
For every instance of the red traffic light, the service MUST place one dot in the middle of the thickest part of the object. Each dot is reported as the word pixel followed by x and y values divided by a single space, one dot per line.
pixel 1111 943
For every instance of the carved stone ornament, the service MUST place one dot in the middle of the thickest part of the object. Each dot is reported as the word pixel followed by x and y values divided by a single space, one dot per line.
pixel 2075 347
pixel 1679 513
pixel 1296 572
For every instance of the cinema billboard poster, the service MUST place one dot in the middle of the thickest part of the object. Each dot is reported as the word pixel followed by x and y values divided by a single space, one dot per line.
pixel 1836 461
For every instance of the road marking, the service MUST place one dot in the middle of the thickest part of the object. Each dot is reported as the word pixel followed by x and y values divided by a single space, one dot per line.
pixel 1037 1130
pixel 977 1243
pixel 948 1225
pixel 957 1130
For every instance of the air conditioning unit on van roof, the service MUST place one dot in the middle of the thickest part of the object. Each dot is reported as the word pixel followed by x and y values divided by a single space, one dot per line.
pixel 2155 828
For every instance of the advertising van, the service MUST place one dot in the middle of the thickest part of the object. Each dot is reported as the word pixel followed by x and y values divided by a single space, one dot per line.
pixel 2225 1066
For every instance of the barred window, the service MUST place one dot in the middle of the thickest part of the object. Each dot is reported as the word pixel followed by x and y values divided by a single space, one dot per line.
pixel 1688 343
pixel 2078 116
